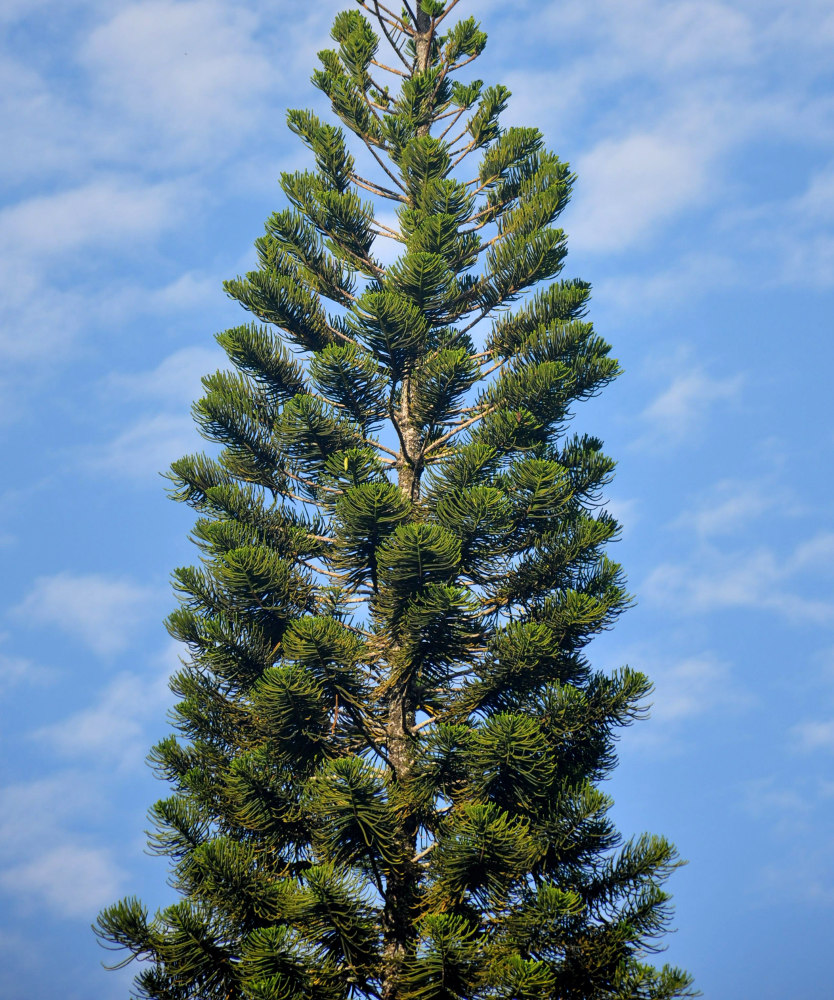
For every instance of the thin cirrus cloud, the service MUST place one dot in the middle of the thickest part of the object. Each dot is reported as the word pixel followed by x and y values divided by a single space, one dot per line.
pixel 685 689
pixel 101 611
pixel 73 880
pixel 147 446
pixel 803 256
pixel 40 318
pixel 718 580
pixel 666 288
pixel 146 449
pixel 175 380
pixel 731 505
pixel 692 686
pixel 629 186
pixel 45 856
pixel 16 671
pixel 99 213
pixel 683 407
pixel 789 809
pixel 814 734
pixel 114 726
pixel 662 113
pixel 183 75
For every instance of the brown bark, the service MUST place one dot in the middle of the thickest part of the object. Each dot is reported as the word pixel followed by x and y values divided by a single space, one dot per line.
pixel 401 890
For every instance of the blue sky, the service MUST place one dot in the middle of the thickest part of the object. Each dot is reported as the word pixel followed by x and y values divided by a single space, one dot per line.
pixel 141 146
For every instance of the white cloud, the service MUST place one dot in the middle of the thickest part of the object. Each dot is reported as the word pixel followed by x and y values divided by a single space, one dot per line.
pixel 730 505
pixel 40 319
pixel 684 689
pixel 816 204
pixel 804 252
pixel 176 380
pixel 185 292
pixel 31 811
pixel 718 580
pixel 114 727
pixel 73 880
pixel 785 804
pixel 643 291
pixel 38 324
pixel 44 858
pixel 685 406
pixel 102 212
pixel 38 125
pixel 650 117
pixel 691 687
pixel 817 553
pixel 13 670
pixel 625 511
pixel 17 670
pixel 191 75
pixel 629 186
pixel 793 810
pixel 814 735
pixel 146 449
pixel 683 35
pixel 102 611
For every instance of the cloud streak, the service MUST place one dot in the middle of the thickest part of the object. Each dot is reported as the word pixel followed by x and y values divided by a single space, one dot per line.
pixel 44 858
pixel 114 726
pixel 717 580
pixel 682 410
pixel 101 611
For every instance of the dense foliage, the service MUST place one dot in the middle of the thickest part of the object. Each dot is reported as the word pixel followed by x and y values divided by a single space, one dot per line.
pixel 390 738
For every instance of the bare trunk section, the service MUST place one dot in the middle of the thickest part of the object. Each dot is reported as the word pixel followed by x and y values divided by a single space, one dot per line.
pixel 401 891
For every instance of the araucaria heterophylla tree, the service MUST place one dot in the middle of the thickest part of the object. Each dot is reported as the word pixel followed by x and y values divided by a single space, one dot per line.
pixel 390 738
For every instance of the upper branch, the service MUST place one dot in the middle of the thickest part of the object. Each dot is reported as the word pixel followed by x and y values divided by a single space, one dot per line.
pixel 460 427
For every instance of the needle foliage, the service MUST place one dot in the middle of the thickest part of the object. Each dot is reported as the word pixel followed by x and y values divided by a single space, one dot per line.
pixel 389 740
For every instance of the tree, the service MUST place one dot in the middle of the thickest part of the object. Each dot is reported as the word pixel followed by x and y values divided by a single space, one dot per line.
pixel 390 738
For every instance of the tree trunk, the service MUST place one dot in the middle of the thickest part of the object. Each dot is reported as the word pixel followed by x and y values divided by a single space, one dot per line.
pixel 400 896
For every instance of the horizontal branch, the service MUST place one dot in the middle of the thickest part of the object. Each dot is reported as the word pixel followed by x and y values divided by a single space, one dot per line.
pixel 390 69
pixel 375 188
pixel 380 162
pixel 460 427
pixel 423 854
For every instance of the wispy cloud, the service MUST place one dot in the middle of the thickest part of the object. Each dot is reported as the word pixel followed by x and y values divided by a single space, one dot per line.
pixel 71 879
pixel 115 726
pixel 719 580
pixel 189 78
pixel 654 121
pixel 41 314
pixel 682 409
pixel 101 611
pixel 628 186
pixel 105 211
pixel 814 734
pixel 689 687
pixel 44 858
pixel 733 505
pixel 639 291
pixel 19 670
pixel 175 381
pixel 147 446
pixel 791 811
pixel 146 449
pixel 684 689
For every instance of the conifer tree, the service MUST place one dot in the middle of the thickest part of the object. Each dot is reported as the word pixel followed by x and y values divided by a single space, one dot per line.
pixel 389 736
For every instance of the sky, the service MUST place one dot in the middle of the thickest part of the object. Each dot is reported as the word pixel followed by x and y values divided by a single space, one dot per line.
pixel 142 142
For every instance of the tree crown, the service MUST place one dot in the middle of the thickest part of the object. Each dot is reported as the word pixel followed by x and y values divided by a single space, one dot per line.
pixel 390 736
